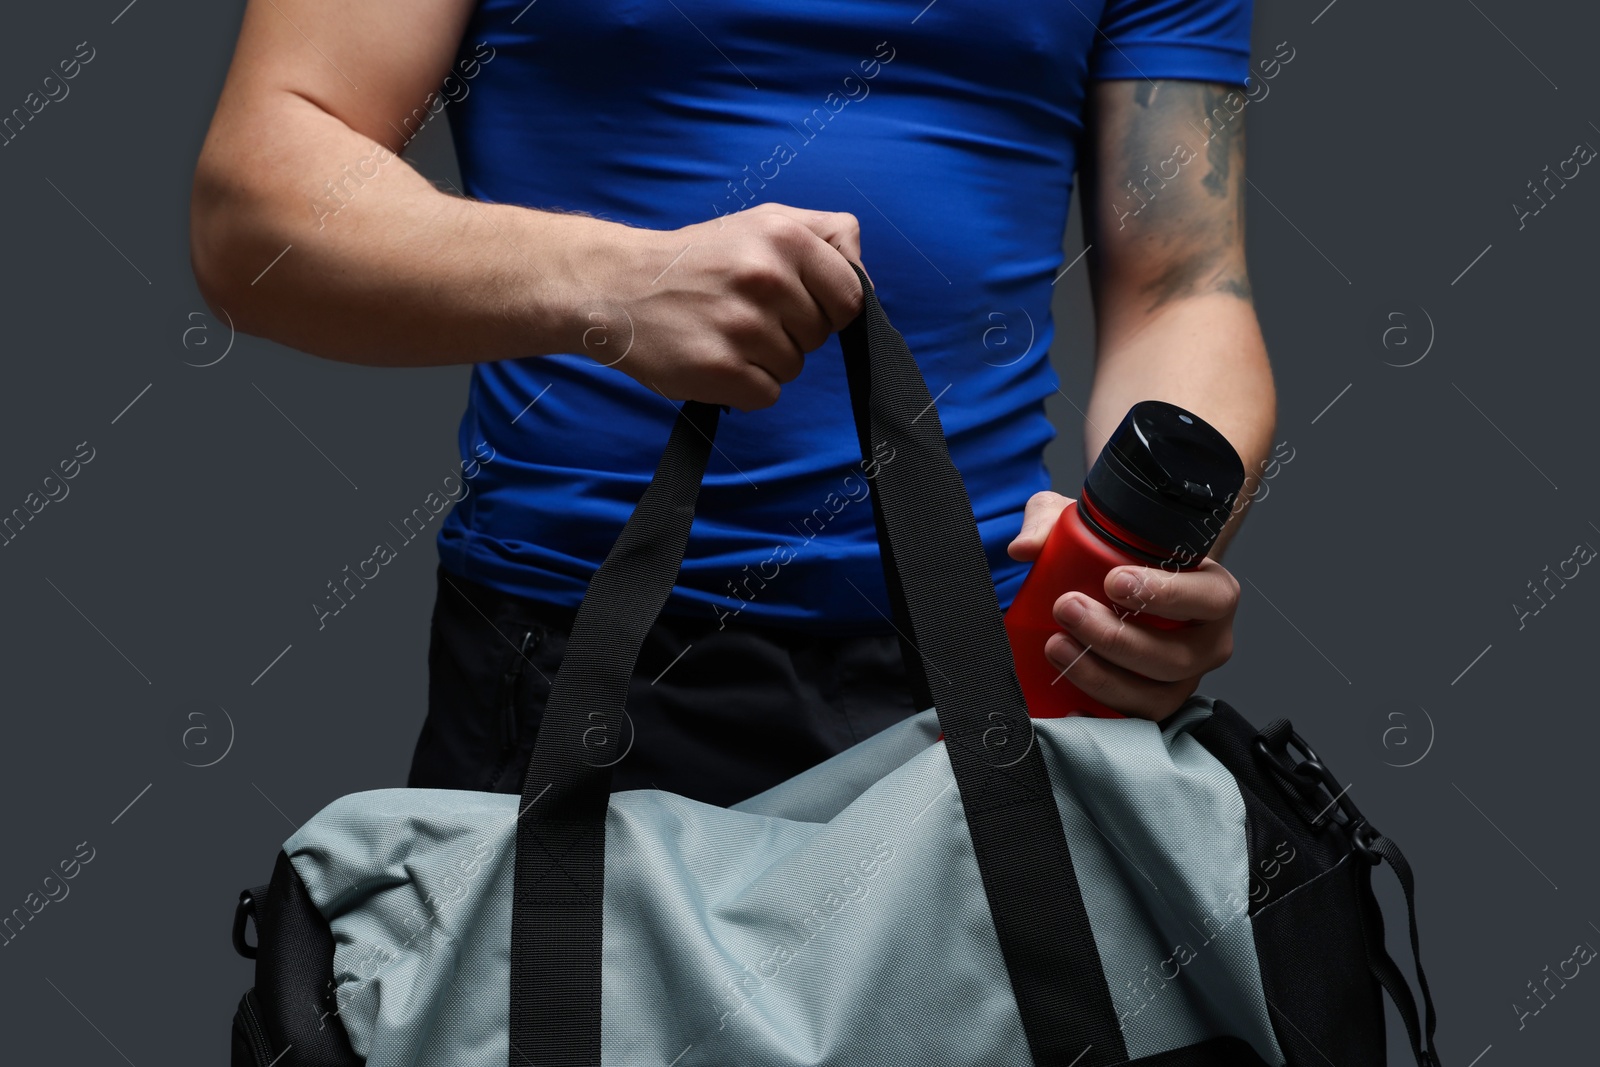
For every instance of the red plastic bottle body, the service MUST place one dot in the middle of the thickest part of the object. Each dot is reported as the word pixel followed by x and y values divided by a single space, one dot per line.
pixel 1074 558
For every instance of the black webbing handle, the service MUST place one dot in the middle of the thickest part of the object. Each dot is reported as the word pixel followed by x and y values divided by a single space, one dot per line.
pixel 957 654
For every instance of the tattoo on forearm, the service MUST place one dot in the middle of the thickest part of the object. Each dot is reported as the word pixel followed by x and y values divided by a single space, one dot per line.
pixel 1237 283
pixel 1198 219
pixel 1219 145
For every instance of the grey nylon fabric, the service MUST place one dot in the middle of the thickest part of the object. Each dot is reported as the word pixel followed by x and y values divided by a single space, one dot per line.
pixel 838 918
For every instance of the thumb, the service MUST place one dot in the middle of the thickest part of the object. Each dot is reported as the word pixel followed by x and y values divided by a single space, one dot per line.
pixel 1040 515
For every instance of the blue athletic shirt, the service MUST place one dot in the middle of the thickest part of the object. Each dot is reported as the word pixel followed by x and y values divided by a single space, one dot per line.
pixel 950 129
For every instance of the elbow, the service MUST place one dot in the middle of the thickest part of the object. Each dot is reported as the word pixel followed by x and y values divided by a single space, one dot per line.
pixel 207 251
pixel 213 244
pixel 208 277
pixel 230 228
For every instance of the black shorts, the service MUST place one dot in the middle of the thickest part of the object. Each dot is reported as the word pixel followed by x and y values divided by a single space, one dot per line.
pixel 716 715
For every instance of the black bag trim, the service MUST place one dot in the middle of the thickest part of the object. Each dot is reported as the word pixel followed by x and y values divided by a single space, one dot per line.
pixel 295 1007
pixel 949 617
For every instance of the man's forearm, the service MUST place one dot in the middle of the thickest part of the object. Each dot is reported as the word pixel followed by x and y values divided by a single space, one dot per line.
pixel 1173 306
pixel 308 233
pixel 1204 354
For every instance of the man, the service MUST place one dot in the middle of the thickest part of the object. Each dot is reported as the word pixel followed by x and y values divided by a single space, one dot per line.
pixel 661 202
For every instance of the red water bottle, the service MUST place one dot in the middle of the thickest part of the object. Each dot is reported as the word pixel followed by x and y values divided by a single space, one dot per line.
pixel 1158 495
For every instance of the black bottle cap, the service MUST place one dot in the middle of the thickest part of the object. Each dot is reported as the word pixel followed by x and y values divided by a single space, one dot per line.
pixel 1168 478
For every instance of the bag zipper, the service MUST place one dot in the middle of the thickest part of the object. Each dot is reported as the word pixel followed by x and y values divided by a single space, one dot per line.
pixel 255 1031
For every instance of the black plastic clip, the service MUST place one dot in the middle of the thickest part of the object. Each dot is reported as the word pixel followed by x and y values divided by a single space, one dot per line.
pixel 1341 811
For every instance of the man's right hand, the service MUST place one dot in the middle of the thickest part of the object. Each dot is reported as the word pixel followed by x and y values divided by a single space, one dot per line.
pixel 725 311
pixel 308 228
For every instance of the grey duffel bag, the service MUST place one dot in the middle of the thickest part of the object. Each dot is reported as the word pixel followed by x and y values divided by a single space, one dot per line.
pixel 1067 892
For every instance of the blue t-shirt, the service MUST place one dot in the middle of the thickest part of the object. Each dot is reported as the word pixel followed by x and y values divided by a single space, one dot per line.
pixel 949 129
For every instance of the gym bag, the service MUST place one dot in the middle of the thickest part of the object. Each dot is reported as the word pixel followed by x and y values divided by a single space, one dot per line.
pixel 1069 892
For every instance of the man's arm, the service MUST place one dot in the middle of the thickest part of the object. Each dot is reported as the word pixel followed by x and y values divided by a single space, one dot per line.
pixel 1163 206
pixel 384 269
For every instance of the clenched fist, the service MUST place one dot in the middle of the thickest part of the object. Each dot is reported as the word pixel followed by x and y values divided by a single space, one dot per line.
pixel 725 311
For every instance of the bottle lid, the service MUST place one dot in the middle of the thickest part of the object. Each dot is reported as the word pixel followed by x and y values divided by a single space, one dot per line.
pixel 1167 478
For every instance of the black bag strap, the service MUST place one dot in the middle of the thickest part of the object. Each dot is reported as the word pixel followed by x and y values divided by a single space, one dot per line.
pixel 1382 965
pixel 957 654
pixel 1305 778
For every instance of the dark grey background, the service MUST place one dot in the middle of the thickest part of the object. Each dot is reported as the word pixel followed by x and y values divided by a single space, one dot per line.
pixel 1379 572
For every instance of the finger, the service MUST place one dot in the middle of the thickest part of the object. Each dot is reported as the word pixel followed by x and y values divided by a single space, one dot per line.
pixel 1038 517
pixel 1162 655
pixel 778 330
pixel 1208 592
pixel 793 358
pixel 840 229
pixel 759 345
pixel 1116 687
pixel 737 384
pixel 788 320
pixel 832 285
pixel 780 355
pixel 753 389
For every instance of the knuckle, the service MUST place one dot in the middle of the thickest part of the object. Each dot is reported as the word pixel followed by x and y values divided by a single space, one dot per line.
pixel 761 392
pixel 1156 589
pixel 1116 639
pixel 842 305
pixel 855 298
pixel 1041 498
pixel 761 273
pixel 783 229
pixel 727 370
pixel 1090 677
pixel 781 360
pixel 1185 662
pixel 812 339
pixel 743 323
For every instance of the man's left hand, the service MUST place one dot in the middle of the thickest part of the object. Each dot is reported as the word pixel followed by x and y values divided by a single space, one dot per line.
pixel 1137 670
